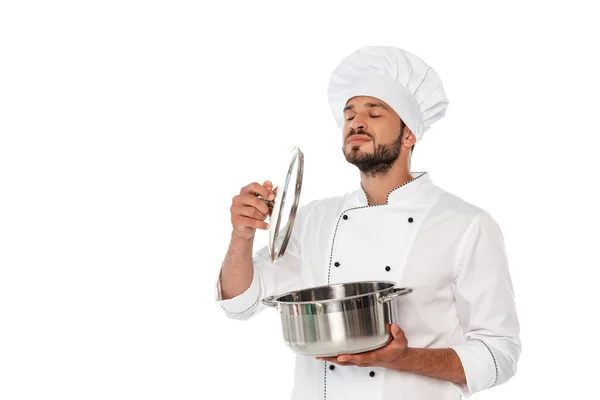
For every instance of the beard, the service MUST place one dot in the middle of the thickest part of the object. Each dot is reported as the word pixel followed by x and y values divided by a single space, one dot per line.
pixel 379 162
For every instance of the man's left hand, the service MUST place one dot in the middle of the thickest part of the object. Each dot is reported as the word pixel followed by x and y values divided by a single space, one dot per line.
pixel 382 357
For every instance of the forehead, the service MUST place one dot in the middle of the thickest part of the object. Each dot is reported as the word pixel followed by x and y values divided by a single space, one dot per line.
pixel 360 101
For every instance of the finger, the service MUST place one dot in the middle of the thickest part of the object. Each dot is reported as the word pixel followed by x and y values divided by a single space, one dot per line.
pixel 362 358
pixel 341 364
pixel 355 359
pixel 246 211
pixel 240 221
pixel 328 359
pixel 268 185
pixel 344 364
pixel 397 333
pixel 333 360
pixel 252 201
pixel 257 189
pixel 347 359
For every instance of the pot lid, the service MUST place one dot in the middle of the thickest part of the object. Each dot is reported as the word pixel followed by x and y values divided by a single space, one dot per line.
pixel 283 209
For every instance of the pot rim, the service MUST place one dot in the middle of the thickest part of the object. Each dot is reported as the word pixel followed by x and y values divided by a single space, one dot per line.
pixel 276 297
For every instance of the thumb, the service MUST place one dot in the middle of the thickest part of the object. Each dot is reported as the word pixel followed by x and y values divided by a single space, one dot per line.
pixel 268 185
pixel 397 333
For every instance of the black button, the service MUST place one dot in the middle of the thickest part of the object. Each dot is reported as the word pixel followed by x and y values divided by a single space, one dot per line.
pixel 410 220
pixel 371 374
pixel 387 268
pixel 345 216
pixel 337 264
pixel 332 367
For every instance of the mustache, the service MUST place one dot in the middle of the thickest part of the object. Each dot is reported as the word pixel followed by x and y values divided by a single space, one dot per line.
pixel 359 132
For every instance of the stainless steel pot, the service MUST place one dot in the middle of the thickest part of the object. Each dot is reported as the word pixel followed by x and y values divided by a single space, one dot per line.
pixel 345 318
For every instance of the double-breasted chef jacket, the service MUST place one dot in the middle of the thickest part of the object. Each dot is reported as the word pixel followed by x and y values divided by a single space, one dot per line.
pixel 450 252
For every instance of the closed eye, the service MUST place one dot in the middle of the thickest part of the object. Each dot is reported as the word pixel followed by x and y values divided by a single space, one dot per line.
pixel 372 116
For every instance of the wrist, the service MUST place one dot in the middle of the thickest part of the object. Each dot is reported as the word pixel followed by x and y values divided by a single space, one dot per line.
pixel 402 363
pixel 237 236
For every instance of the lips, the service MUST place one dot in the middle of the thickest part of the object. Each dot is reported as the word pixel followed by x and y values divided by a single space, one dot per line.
pixel 358 139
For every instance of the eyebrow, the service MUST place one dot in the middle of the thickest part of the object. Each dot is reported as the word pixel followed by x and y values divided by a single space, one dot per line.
pixel 367 105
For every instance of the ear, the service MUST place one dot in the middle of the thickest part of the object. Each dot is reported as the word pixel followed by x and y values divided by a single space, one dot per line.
pixel 409 138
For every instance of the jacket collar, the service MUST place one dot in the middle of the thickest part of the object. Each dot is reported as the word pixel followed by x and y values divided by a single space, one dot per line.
pixel 401 193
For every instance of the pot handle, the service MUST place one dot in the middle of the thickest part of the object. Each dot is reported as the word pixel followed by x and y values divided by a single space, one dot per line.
pixel 269 301
pixel 396 292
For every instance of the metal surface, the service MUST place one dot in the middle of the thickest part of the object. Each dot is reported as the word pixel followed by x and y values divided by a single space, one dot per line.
pixel 280 230
pixel 344 318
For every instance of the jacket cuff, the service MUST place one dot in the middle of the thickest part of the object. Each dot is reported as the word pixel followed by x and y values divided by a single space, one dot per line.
pixel 479 364
pixel 242 304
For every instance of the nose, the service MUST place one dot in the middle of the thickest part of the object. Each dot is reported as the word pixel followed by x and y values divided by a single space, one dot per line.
pixel 357 123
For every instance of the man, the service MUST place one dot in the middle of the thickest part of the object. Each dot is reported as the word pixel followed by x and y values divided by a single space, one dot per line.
pixel 457 333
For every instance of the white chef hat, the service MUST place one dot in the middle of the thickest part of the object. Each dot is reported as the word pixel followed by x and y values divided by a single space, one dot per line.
pixel 401 79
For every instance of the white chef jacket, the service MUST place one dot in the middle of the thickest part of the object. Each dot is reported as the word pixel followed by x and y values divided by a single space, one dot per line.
pixel 450 252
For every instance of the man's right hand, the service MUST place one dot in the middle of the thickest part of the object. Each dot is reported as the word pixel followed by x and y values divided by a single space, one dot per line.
pixel 248 212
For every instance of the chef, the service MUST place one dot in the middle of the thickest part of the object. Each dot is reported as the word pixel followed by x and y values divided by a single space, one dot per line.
pixel 457 333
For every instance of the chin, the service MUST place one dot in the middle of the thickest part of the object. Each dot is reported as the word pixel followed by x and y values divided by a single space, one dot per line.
pixel 355 147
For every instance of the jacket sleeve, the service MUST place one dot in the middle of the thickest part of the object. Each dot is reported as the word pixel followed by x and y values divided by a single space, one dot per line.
pixel 269 278
pixel 485 304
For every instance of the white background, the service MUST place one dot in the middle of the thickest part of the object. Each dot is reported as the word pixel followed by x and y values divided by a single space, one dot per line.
pixel 127 127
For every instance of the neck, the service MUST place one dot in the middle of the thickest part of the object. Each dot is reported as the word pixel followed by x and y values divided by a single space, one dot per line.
pixel 378 187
